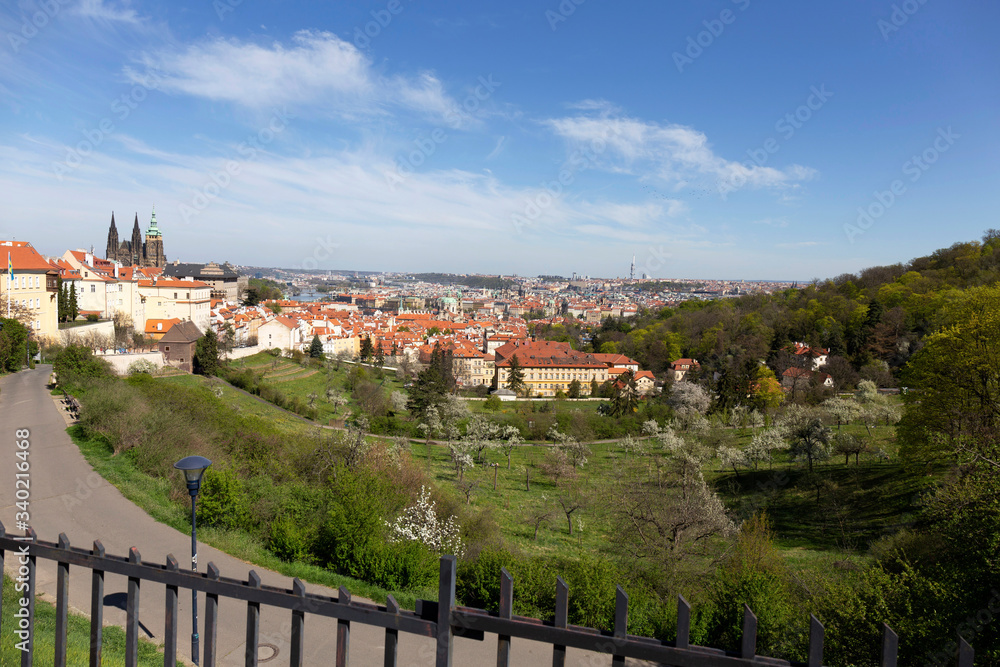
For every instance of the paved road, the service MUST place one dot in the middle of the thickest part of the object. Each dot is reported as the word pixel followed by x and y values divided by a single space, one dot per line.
pixel 60 476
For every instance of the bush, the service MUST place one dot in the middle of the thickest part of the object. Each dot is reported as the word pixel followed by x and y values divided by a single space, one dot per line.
pixel 290 541
pixel 141 366
pixel 493 404
pixel 478 580
pixel 92 317
pixel 76 362
pixel 223 500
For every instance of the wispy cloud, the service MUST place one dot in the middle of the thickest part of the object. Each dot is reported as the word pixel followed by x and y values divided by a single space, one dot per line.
pixel 101 10
pixel 318 71
pixel 672 153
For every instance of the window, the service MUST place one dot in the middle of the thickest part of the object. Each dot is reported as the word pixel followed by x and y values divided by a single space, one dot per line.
pixel 22 282
pixel 93 288
pixel 175 295
pixel 167 348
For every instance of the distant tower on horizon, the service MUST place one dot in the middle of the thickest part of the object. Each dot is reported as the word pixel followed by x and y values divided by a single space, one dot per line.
pixel 631 273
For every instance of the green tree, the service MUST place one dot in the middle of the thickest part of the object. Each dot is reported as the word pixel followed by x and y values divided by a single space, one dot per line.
pixel 432 385
pixel 63 300
pixel 574 389
pixel 625 399
pixel 13 345
pixel 515 375
pixel 78 361
pixel 379 356
pixel 206 354
pixel 316 348
pixel 812 442
pixel 74 309
pixel 366 349
pixel 595 388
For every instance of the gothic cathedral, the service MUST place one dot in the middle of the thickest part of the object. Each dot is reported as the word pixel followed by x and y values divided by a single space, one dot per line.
pixel 148 252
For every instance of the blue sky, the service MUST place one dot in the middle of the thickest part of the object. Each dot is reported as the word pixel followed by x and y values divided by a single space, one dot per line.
pixel 723 139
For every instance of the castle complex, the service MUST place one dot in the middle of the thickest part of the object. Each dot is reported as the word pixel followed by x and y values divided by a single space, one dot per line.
pixel 148 252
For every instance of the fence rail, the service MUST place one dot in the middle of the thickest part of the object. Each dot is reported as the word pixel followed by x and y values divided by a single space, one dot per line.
pixel 443 620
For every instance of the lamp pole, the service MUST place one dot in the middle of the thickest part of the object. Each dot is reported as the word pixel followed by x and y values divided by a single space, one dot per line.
pixel 193 468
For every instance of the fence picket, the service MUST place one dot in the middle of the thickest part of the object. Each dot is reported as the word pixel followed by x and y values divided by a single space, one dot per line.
pixel 683 623
pixel 97 608
pixel 132 614
pixel 446 602
pixel 561 620
pixel 965 654
pixel 28 656
pixel 62 604
pixel 621 625
pixel 343 631
pixel 391 634
pixel 890 646
pixel 815 642
pixel 298 627
pixel 506 611
pixel 748 647
pixel 170 618
pixel 211 619
pixel 253 623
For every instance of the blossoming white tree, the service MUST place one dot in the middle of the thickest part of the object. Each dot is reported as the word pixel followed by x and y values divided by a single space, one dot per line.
pixel 420 522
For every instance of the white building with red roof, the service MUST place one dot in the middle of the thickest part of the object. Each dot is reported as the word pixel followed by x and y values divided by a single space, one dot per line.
pixel 31 293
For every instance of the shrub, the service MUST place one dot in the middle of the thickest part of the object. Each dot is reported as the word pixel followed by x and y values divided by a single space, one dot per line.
pixel 223 500
pixel 92 317
pixel 141 366
pixel 478 581
pixel 290 541
pixel 493 403
pixel 77 362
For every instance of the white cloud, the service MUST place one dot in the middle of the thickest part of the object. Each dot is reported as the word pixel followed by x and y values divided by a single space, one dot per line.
pixel 673 153
pixel 317 71
pixel 100 10
pixel 437 216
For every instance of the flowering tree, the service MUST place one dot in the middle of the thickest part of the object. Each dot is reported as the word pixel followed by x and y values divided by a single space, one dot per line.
pixel 420 522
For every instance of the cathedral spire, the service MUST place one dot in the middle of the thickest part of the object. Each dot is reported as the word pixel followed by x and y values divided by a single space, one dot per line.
pixel 112 250
pixel 136 247
pixel 153 229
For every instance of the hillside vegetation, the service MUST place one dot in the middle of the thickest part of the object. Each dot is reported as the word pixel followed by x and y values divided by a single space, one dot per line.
pixel 861 507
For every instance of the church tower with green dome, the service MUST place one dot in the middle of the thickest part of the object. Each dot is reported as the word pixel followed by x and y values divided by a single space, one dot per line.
pixel 152 249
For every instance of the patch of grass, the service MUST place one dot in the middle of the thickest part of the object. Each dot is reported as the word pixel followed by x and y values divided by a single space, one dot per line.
pixel 77 636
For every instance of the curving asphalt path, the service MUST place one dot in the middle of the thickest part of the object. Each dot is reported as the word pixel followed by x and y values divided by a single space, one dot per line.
pixel 67 496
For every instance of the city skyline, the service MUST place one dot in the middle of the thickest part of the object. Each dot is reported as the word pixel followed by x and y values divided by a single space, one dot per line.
pixel 729 140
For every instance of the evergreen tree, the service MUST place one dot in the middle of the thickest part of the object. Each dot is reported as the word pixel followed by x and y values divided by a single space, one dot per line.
pixel 366 348
pixel 74 309
pixel 63 305
pixel 380 356
pixel 432 384
pixel 595 388
pixel 206 354
pixel 316 348
pixel 625 399
pixel 515 376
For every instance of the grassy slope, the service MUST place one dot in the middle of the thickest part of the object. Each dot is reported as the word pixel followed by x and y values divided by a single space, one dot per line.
pixel 857 504
pixel 317 383
pixel 77 637
pixel 153 496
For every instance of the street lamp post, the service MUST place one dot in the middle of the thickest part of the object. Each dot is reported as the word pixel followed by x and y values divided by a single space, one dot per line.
pixel 193 468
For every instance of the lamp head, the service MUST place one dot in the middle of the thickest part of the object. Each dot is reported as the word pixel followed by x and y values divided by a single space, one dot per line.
pixel 193 468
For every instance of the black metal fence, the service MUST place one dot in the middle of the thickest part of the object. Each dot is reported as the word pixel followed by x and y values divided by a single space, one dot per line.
pixel 441 620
